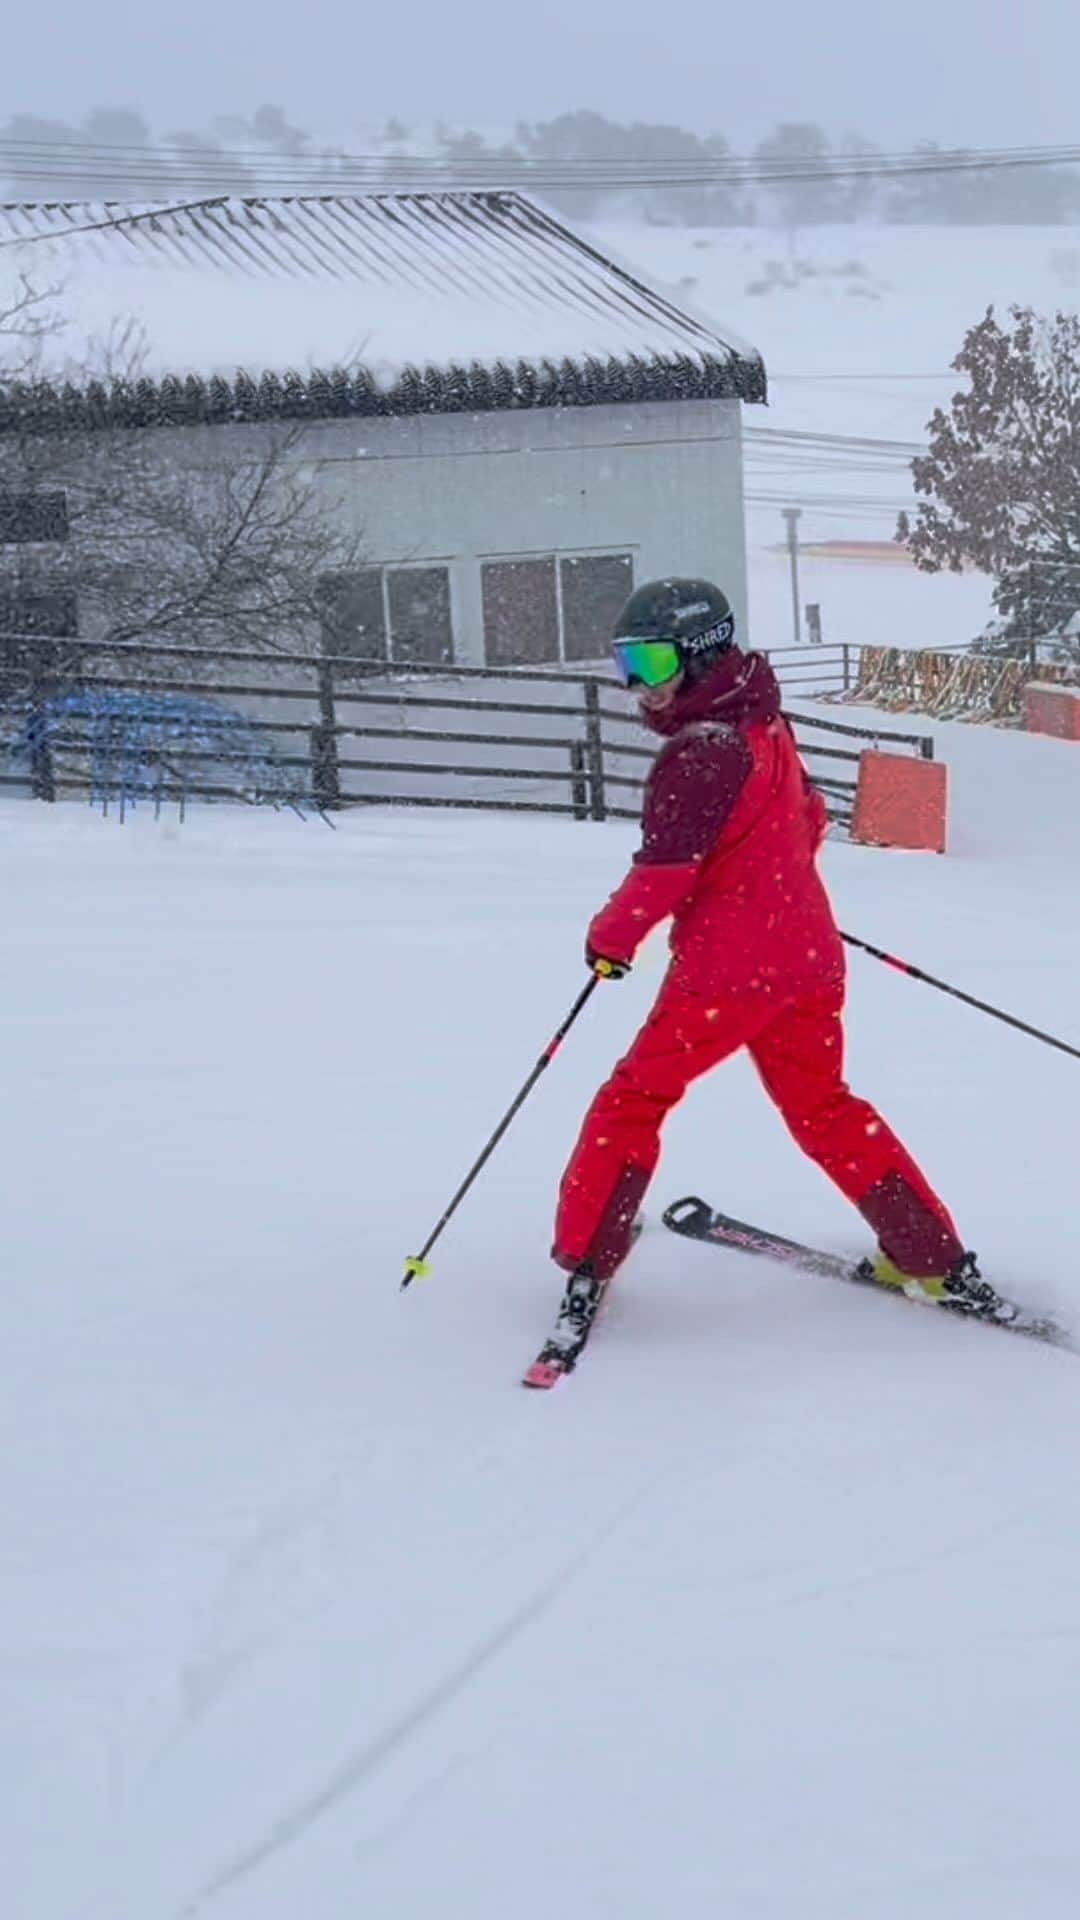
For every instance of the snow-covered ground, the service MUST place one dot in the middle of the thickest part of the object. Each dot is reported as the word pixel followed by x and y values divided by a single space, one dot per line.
pixel 858 327
pixel 306 1608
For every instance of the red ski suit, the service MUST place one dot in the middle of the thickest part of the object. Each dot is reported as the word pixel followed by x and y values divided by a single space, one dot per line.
pixel 730 833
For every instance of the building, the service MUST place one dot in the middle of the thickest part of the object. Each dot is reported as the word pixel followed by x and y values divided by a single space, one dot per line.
pixel 518 426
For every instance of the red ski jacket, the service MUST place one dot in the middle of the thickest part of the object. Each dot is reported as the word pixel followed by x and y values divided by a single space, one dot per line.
pixel 730 833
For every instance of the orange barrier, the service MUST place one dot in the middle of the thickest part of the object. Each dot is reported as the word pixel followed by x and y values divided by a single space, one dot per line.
pixel 1053 710
pixel 901 802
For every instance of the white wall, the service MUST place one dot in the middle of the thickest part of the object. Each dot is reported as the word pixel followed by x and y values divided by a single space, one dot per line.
pixel 662 481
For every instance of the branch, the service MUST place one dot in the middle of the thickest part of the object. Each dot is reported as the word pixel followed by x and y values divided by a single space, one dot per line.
pixel 25 316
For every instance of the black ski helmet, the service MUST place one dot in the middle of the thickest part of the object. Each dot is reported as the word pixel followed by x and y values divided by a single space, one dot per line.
pixel 692 613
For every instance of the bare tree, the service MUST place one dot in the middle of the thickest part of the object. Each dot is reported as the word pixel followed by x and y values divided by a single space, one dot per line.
pixel 146 543
pixel 216 536
pixel 27 319
pixel 215 546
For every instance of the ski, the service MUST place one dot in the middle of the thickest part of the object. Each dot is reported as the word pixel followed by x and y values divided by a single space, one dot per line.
pixel 696 1220
pixel 550 1366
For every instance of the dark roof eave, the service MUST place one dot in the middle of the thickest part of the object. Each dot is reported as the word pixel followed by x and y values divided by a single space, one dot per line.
pixel 339 393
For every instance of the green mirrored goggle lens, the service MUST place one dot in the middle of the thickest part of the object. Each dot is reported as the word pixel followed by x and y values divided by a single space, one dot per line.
pixel 646 662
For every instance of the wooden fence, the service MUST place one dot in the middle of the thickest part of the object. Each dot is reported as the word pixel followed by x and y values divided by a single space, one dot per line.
pixel 126 724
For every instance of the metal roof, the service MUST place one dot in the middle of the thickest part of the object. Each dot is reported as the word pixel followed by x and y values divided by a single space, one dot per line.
pixel 392 303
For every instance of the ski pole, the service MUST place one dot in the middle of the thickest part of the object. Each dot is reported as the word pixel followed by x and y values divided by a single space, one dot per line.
pixel 928 979
pixel 416 1267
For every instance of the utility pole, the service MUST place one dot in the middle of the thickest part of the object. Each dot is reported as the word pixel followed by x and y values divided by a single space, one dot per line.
pixel 793 515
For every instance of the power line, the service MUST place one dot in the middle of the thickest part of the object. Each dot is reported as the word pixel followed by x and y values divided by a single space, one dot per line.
pixel 830 503
pixel 847 442
pixel 875 377
pixel 932 157
pixel 73 162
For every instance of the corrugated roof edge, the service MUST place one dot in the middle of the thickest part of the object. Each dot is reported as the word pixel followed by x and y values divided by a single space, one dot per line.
pixel 675 295
pixel 346 393
pixel 705 364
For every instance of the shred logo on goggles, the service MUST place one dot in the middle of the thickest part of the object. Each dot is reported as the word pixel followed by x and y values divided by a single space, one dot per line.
pixel 713 638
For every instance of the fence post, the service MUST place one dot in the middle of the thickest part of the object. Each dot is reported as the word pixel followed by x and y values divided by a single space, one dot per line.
pixel 1033 654
pixel 594 749
pixel 325 779
pixel 42 775
pixel 578 784
pixel 847 667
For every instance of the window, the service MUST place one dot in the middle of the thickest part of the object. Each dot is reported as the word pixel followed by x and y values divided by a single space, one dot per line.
pixel 45 616
pixel 32 516
pixel 420 625
pixel 52 616
pixel 354 618
pixel 521 612
pixel 595 588
pixel 536 613
pixel 389 613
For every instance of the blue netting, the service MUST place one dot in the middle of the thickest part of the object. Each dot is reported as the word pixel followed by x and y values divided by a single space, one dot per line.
pixel 134 746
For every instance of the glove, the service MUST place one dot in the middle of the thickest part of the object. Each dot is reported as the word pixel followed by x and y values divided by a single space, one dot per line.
pixel 604 968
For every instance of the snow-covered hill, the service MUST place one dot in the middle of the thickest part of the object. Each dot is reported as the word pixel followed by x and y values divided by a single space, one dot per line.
pixel 307 1609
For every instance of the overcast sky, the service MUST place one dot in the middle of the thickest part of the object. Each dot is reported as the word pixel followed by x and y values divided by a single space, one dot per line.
pixel 956 70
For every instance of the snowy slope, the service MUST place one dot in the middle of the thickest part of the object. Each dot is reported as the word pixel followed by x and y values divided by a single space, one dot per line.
pixel 307 1609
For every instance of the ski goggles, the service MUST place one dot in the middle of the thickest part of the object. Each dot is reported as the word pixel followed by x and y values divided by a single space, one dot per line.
pixel 647 663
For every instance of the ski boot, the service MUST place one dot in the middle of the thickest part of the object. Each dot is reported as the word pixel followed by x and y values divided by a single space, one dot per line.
pixel 579 1308
pixel 561 1351
pixel 961 1290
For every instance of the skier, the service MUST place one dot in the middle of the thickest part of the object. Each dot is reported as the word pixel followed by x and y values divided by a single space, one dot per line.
pixel 731 829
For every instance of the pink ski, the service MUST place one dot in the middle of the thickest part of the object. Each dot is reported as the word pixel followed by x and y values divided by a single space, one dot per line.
pixel 544 1373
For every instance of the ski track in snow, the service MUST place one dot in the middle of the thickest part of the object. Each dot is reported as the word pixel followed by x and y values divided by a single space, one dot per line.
pixel 291 1826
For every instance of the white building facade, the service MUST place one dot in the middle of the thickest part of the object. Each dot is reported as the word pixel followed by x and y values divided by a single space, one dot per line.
pixel 513 539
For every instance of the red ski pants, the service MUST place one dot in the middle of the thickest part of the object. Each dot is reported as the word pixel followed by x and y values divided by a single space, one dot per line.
pixel 799 1053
